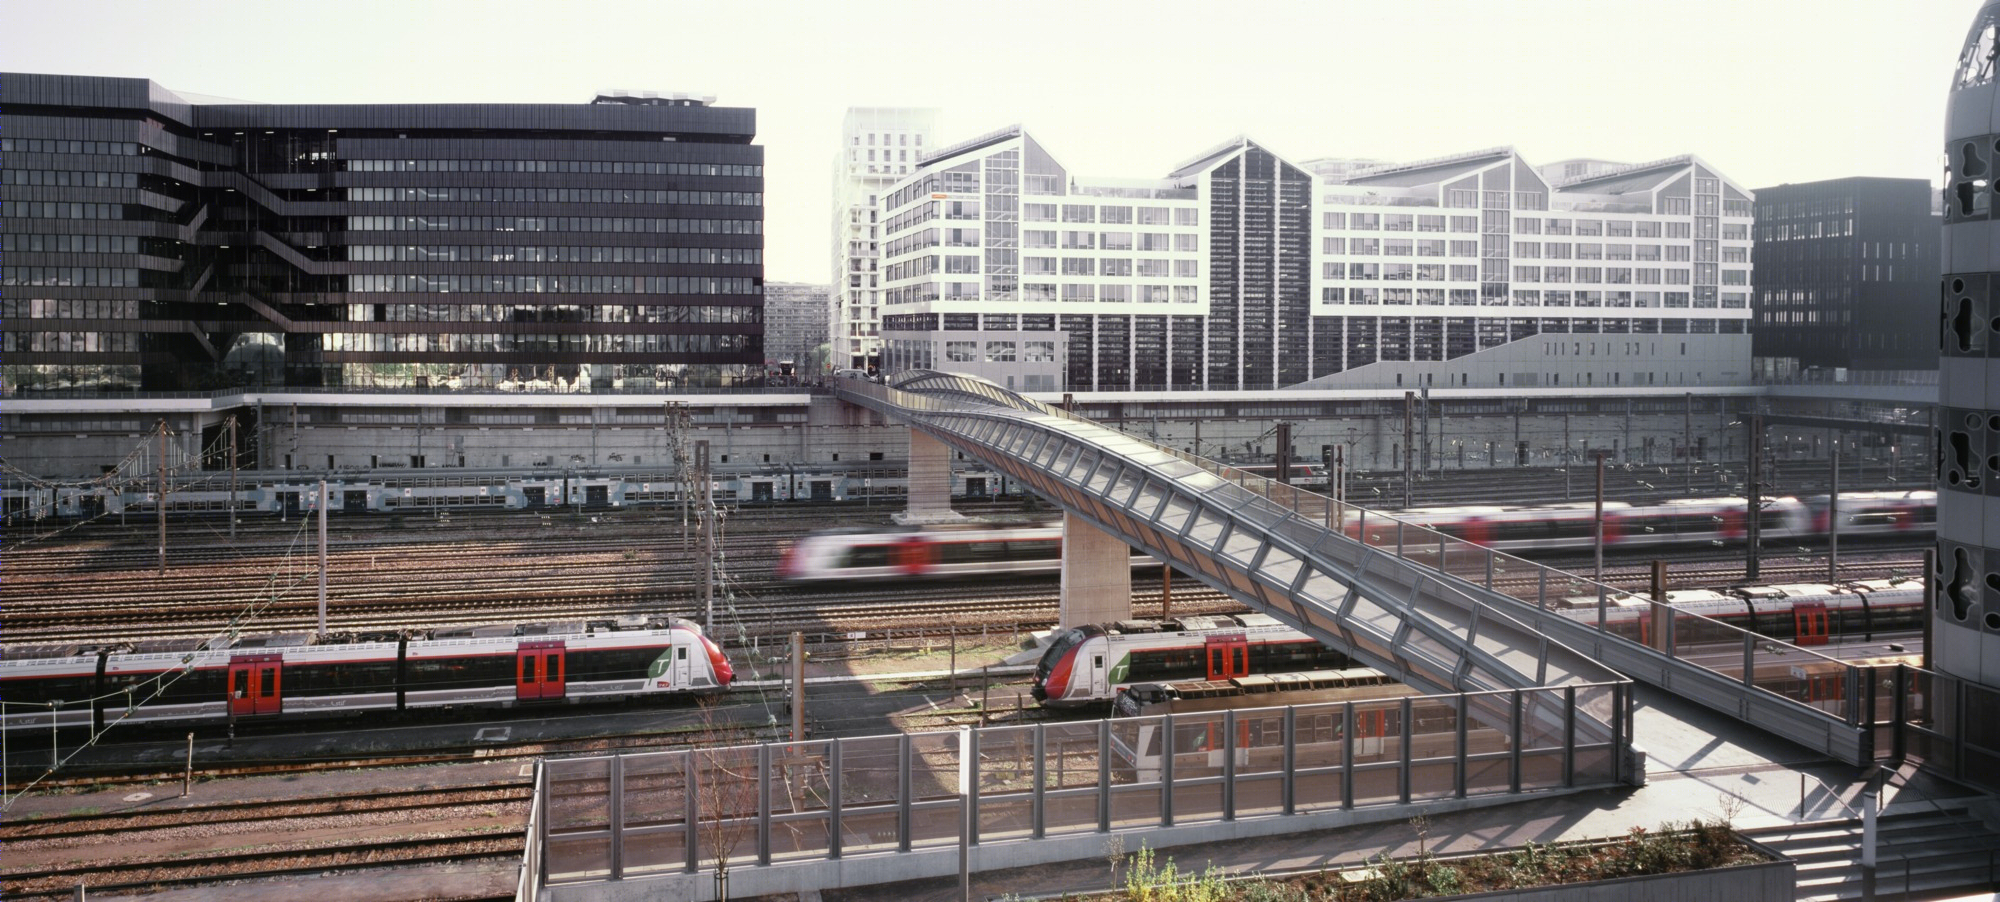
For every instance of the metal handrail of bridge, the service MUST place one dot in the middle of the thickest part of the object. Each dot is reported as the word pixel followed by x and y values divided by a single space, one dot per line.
pixel 1444 613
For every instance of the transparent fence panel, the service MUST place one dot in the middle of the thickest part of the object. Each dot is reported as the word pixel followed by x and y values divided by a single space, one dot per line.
pixel 655 812
pixel 1201 745
pixel 1006 774
pixel 725 790
pixel 934 789
pixel 1433 748
pixel 1319 757
pixel 1542 719
pixel 1260 764
pixel 799 791
pixel 868 793
pixel 1489 743
pixel 1069 773
pixel 1465 560
pixel 1518 579
pixel 1595 760
pixel 1378 752
pixel 579 818
pixel 1135 772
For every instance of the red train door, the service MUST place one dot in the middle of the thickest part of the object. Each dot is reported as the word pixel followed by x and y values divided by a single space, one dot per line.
pixel 1228 656
pixel 539 671
pixel 1809 619
pixel 256 684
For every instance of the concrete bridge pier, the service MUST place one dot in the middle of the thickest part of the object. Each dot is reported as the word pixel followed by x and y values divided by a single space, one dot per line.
pixel 928 496
pixel 1096 575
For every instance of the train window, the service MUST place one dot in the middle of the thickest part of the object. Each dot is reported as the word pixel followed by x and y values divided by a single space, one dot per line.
pixel 612 663
pixel 1097 662
pixel 867 556
pixel 66 689
pixel 681 653
pixel 339 678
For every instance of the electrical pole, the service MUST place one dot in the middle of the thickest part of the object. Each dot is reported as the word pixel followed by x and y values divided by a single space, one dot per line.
pixel 1833 518
pixel 1687 442
pixel 160 501
pixel 1755 504
pixel 1565 458
pixel 798 686
pixel 707 524
pixel 322 558
pixel 232 477
pixel 1283 457
pixel 1409 431
pixel 1599 573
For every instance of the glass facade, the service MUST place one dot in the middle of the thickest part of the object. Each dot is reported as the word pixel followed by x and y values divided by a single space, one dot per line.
pixel 160 245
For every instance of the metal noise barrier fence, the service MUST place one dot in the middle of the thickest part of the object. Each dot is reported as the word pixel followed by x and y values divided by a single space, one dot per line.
pixel 743 809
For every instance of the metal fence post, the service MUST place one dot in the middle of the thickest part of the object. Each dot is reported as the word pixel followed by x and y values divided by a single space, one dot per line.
pixel 1569 736
pixel 1514 746
pixel 1458 770
pixel 1347 756
pixel 615 813
pixel 1491 555
pixel 1038 801
pixel 1166 770
pixel 903 755
pixel 1407 734
pixel 833 828
pixel 1104 776
pixel 971 789
pixel 1229 766
pixel 1749 659
pixel 1291 781
pixel 1542 588
pixel 764 803
pixel 692 817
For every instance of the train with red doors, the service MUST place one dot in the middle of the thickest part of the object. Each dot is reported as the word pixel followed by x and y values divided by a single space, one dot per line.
pixel 1091 664
pixel 286 676
pixel 1799 613
pixel 1688 521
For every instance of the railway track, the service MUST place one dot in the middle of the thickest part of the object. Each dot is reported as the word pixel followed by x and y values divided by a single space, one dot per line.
pixel 154 874
pixel 130 823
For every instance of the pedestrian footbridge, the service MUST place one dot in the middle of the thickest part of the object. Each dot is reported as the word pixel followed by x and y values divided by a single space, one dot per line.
pixel 1440 613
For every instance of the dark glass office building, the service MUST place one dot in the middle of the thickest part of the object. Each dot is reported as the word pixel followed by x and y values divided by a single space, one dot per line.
pixel 157 242
pixel 1847 274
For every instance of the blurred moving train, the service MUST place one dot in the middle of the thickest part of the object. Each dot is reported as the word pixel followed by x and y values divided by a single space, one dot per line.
pixel 857 553
pixel 1091 664
pixel 866 553
pixel 1675 522
pixel 292 675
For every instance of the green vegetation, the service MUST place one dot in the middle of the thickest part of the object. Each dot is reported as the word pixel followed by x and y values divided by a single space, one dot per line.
pixel 1675 847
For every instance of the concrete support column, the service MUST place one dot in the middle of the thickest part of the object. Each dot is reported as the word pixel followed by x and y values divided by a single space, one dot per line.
pixel 1096 575
pixel 929 494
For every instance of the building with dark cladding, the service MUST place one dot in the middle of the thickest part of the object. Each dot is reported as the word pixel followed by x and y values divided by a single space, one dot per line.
pixel 1841 265
pixel 159 242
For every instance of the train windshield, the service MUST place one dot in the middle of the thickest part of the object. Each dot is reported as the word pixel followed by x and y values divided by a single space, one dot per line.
pixel 1061 646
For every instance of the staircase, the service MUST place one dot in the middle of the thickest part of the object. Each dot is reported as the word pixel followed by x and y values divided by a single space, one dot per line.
pixel 1941 853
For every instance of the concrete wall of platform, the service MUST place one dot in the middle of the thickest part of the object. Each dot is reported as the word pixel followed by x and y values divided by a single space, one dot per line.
pixel 1096 575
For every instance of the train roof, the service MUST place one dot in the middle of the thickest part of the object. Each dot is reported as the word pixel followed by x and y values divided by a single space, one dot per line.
pixel 43 652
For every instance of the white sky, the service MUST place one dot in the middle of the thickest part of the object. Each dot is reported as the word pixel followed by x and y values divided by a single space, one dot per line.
pixel 1769 91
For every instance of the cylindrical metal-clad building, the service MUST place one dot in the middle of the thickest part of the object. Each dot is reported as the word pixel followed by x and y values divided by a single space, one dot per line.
pixel 1966 621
